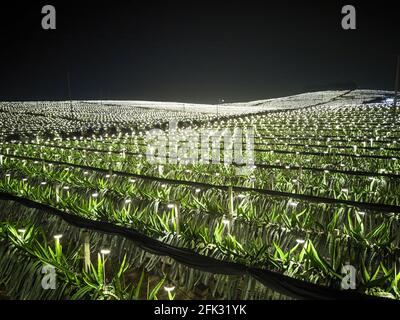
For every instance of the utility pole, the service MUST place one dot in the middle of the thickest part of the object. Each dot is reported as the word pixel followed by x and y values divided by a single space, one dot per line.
pixel 396 85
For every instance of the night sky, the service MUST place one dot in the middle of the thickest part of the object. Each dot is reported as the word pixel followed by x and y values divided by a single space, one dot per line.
pixel 193 51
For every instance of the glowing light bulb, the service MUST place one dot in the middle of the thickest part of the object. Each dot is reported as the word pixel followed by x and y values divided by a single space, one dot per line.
pixel 225 221
pixel 293 204
pixel 169 289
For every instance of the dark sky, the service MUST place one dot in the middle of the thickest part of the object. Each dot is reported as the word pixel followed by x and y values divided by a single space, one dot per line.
pixel 194 51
